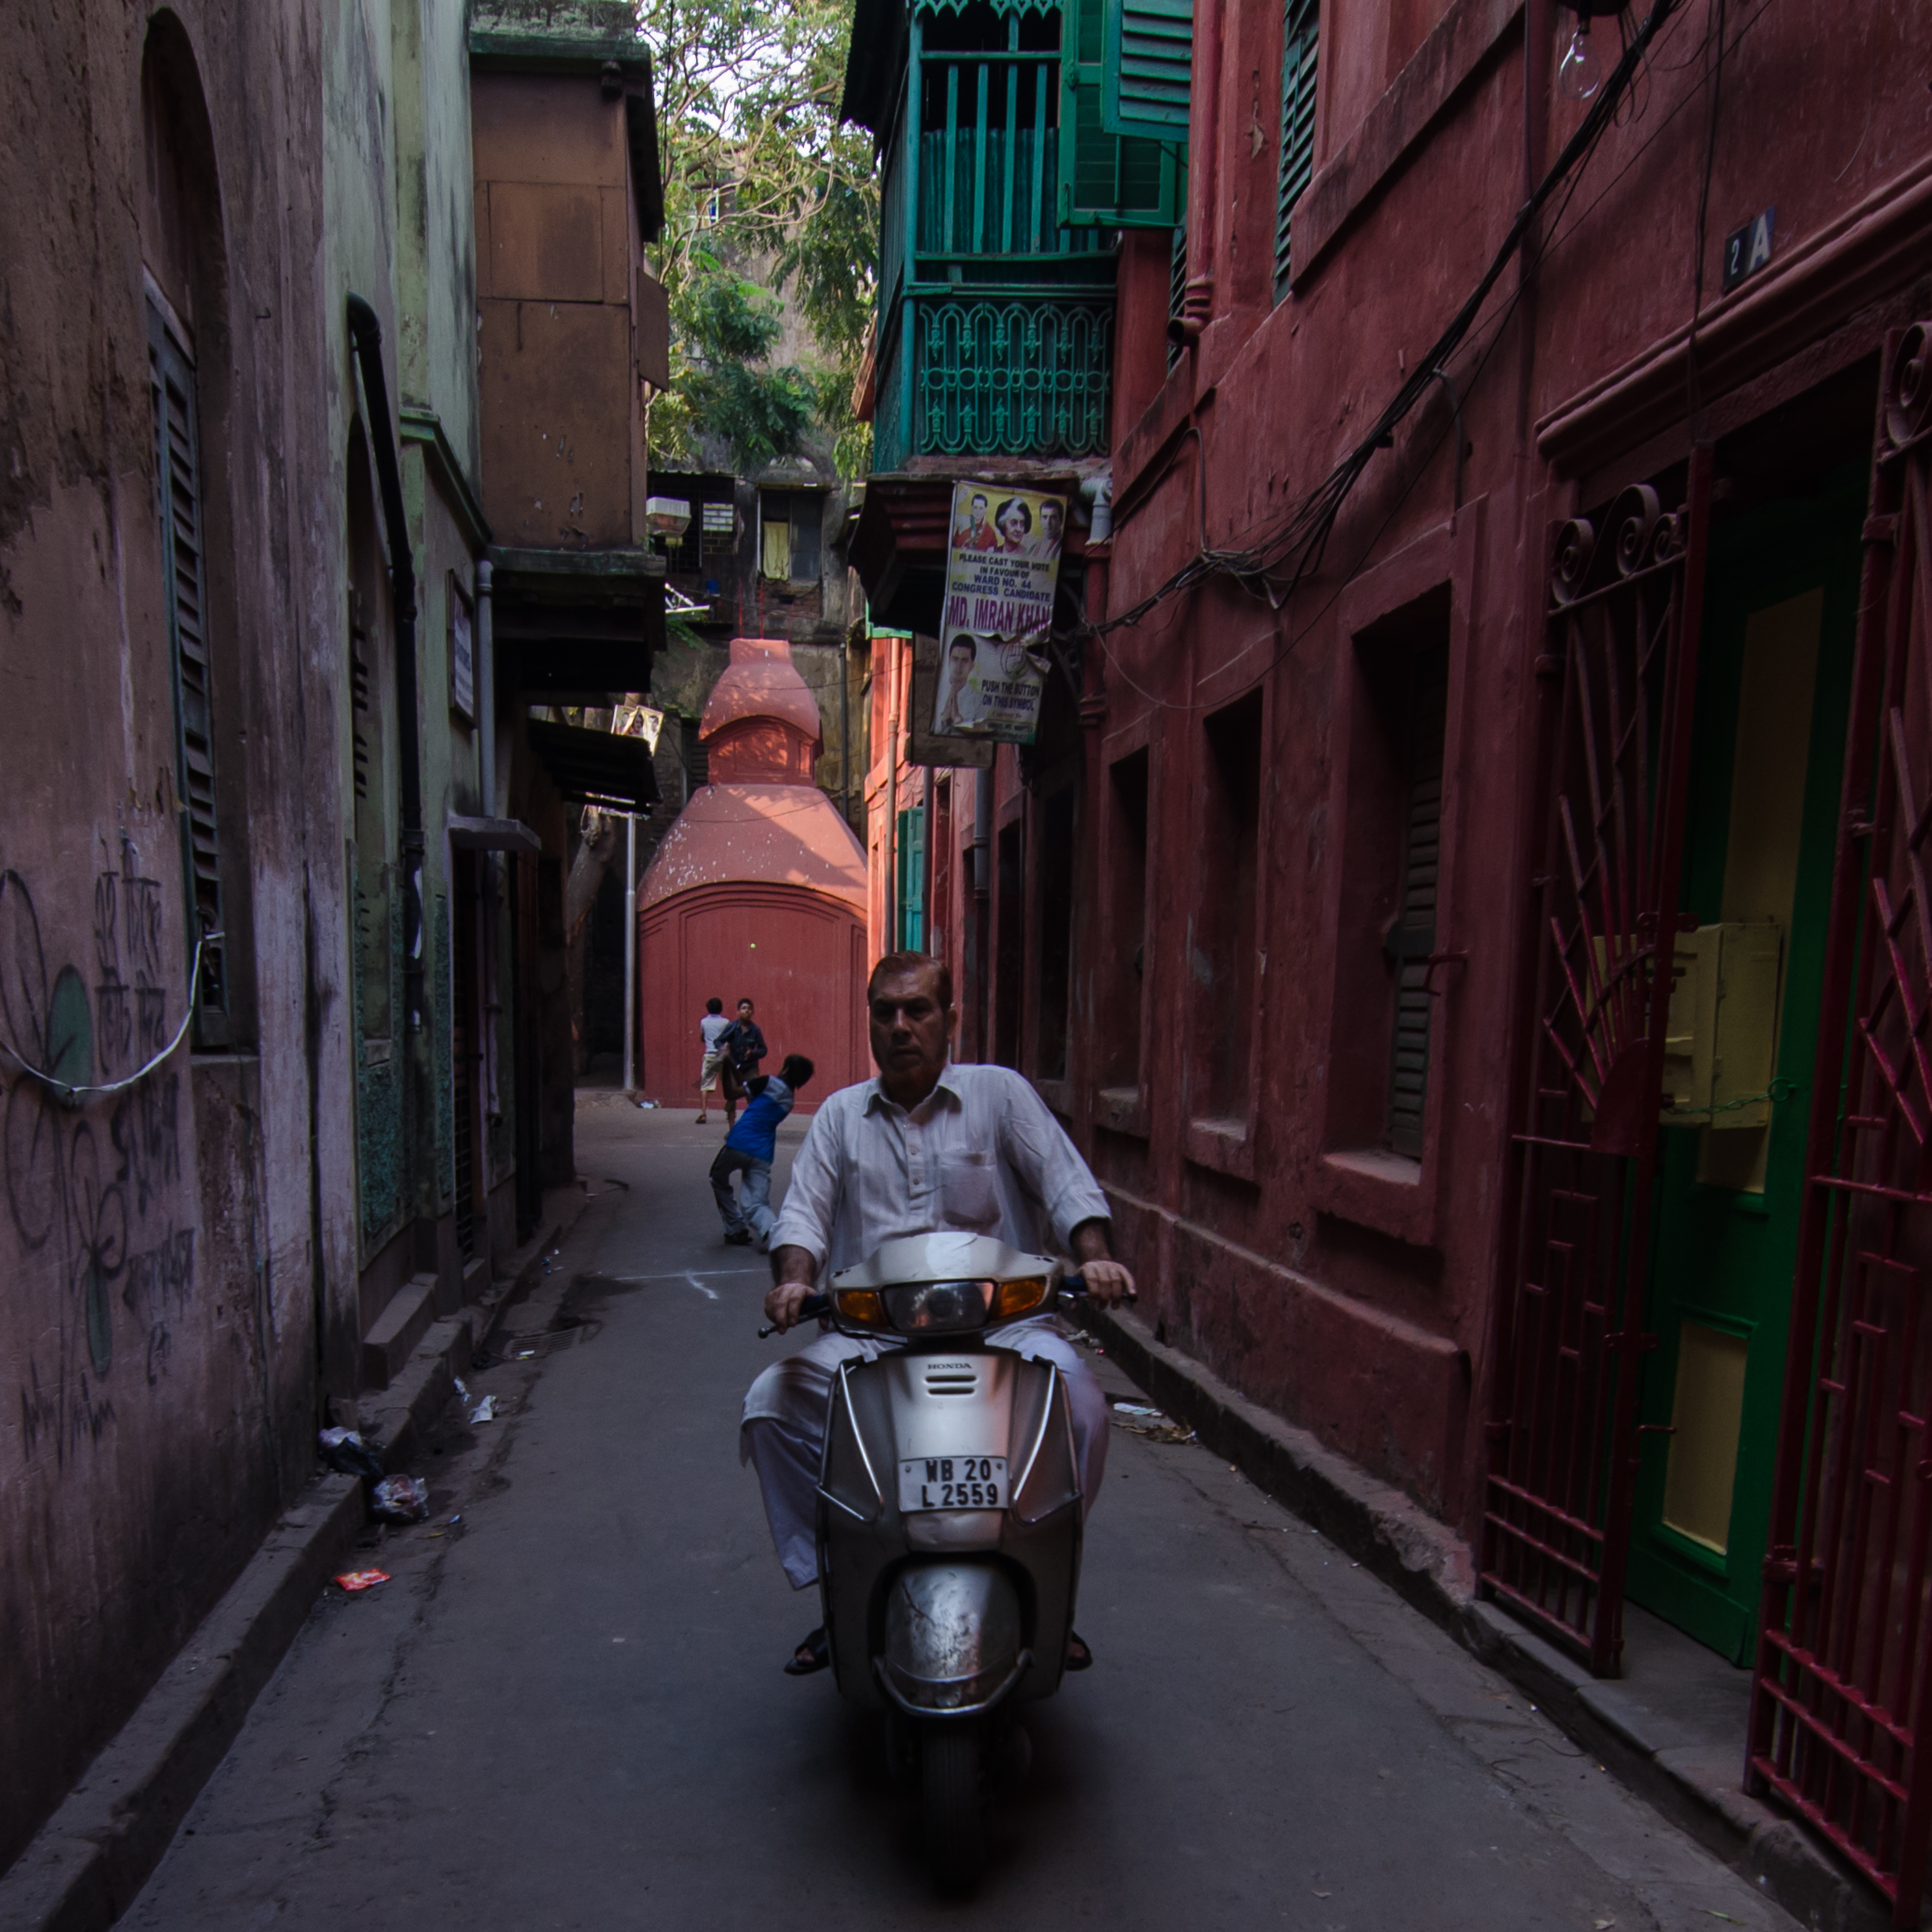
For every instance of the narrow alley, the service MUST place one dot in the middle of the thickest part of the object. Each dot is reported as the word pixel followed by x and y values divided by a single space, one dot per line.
pixel 567 1709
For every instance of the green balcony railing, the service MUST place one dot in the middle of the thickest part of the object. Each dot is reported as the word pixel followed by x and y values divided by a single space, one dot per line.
pixel 995 335
pixel 1022 377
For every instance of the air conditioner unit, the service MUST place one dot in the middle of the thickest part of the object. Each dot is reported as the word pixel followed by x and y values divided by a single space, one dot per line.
pixel 667 516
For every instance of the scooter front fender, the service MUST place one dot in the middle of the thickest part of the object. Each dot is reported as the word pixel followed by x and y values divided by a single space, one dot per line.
pixel 953 1638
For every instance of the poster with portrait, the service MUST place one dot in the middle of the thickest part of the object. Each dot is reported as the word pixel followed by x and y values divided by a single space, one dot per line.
pixel 1002 569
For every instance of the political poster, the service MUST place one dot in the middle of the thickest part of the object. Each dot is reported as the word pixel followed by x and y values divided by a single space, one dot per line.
pixel 1002 569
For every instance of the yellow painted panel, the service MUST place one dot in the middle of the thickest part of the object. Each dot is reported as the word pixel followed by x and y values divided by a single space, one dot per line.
pixel 1703 1462
pixel 1773 750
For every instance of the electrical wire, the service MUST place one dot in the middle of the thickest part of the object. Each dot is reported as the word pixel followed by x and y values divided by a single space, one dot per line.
pixel 1291 549
pixel 69 1095
pixel 1417 471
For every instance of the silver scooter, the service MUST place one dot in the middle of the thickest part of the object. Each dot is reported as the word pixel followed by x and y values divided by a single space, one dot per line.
pixel 949 1520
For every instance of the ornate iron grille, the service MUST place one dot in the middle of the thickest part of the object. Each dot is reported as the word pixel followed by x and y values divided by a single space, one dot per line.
pixel 1840 1697
pixel 1622 643
pixel 1027 377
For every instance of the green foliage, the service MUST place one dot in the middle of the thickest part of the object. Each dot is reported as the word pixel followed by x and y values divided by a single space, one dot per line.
pixel 765 196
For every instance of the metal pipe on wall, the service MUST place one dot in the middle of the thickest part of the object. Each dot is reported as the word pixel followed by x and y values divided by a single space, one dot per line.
pixel 630 953
pixel 486 688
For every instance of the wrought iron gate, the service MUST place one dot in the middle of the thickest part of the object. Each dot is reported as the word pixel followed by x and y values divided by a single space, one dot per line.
pixel 1622 640
pixel 1843 1693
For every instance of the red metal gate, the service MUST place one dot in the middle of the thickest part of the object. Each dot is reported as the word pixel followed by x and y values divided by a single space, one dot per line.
pixel 1843 1691
pixel 1622 639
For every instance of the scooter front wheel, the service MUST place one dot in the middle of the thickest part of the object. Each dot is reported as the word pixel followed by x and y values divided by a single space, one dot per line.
pixel 950 1797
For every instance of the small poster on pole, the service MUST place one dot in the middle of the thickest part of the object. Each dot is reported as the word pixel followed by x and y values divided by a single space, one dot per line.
pixel 1002 570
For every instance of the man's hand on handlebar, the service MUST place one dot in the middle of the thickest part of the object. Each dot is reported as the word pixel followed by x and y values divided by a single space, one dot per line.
pixel 1108 1281
pixel 792 1284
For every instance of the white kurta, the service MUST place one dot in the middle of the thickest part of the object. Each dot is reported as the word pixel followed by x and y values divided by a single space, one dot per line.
pixel 982 1153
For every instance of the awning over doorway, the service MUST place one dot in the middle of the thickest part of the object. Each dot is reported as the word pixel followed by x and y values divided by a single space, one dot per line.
pixel 578 627
pixel 596 767
pixel 491 835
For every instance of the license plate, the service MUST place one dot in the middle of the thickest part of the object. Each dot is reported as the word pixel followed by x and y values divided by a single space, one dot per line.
pixel 953 1483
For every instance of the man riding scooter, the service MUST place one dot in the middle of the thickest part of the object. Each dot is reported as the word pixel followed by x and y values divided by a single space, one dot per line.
pixel 927 1145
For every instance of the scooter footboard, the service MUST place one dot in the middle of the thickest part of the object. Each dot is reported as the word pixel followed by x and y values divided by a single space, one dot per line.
pixel 953 1638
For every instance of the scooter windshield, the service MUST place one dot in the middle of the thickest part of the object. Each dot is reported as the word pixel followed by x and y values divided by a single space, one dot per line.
pixel 939 1306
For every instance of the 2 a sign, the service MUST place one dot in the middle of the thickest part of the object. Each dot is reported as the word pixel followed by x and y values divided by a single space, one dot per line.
pixel 1748 249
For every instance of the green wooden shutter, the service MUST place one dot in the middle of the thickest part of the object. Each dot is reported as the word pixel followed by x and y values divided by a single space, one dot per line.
pixel 911 920
pixel 1148 60
pixel 184 586
pixel 1107 180
pixel 1301 40
pixel 1412 938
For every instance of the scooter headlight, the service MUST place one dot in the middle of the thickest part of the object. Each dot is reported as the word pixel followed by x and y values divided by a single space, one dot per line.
pixel 861 1308
pixel 939 1307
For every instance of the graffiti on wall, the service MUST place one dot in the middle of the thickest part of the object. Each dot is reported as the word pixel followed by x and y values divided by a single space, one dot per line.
pixel 91 1189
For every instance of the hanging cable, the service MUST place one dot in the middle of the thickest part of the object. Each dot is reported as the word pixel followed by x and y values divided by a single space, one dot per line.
pixel 1274 568
pixel 69 1095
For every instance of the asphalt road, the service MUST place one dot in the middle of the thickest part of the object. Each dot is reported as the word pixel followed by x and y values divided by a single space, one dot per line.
pixel 567 1709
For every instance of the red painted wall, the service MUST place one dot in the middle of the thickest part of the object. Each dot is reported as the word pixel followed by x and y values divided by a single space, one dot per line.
pixel 798 955
pixel 1352 1290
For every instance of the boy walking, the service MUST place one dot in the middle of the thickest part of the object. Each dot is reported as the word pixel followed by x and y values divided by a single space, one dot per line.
pixel 747 1152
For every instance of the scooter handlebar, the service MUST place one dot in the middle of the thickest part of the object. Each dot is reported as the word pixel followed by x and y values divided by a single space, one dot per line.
pixel 809 1309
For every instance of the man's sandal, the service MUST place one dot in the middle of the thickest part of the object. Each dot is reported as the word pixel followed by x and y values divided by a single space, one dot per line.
pixel 813 1653
pixel 1078 1656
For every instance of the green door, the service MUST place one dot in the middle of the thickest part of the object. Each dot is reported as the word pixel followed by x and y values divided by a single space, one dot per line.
pixel 1767 750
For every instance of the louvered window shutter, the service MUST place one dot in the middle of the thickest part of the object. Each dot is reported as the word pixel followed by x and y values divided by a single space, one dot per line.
pixel 1147 61
pixel 1412 938
pixel 1107 180
pixel 178 461
pixel 1299 43
pixel 912 879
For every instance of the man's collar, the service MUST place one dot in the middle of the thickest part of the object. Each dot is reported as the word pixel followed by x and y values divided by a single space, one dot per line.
pixel 877 1099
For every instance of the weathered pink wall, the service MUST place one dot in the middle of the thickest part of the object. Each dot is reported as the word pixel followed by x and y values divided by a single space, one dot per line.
pixel 170 1255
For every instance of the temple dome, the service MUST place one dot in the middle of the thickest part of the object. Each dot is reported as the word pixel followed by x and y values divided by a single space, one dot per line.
pixel 761 819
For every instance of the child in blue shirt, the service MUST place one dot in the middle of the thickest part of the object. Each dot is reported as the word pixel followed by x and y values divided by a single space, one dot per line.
pixel 748 1150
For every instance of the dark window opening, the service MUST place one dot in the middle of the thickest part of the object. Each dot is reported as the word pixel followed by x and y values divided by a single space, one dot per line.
pixel 1055 968
pixel 373 946
pixel 1301 21
pixel 1412 936
pixel 1226 918
pixel 184 593
pixel 792 524
pixel 1125 954
pixel 1378 1063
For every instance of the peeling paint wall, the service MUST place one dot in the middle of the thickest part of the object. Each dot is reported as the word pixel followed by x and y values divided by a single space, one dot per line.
pixel 175 1253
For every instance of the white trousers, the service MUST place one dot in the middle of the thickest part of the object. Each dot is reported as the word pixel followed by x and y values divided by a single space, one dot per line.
pixel 783 1433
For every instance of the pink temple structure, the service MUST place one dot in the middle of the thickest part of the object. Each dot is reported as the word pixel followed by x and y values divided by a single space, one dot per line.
pixel 757 892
